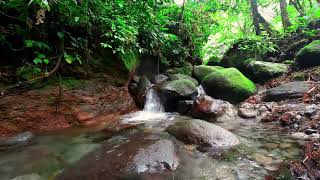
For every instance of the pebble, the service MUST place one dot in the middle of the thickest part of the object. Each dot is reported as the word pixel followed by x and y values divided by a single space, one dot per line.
pixel 285 145
pixel 247 105
pixel 311 109
pixel 299 135
pixel 298 117
pixel 247 113
pixel 315 136
pixel 271 145
pixel 311 131
pixel 263 109
pixel 262 159
pixel 271 168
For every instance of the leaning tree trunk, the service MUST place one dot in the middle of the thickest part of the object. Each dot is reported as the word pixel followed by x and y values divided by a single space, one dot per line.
pixel 255 16
pixel 266 25
pixel 284 15
pixel 298 7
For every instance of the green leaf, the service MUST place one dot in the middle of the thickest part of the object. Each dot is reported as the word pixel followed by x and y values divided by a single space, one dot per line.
pixel 69 59
pixel 46 61
pixel 76 19
pixel 37 61
pixel 29 43
pixel 60 35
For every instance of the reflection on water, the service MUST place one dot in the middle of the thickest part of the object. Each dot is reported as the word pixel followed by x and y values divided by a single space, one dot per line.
pixel 262 151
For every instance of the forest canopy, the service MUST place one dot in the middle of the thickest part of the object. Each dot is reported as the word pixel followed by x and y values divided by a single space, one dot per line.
pixel 44 33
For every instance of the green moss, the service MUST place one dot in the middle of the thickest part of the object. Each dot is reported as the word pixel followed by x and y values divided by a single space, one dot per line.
pixel 260 70
pixel 183 87
pixel 309 56
pixel 182 76
pixel 229 84
pixel 202 71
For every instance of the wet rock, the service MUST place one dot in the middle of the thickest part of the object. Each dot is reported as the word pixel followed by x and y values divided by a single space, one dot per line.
pixel 289 90
pixel 262 159
pixel 263 109
pixel 271 168
pixel 174 91
pixel 261 71
pixel 309 56
pixel 203 134
pixel 16 141
pixel 311 110
pixel 207 108
pixel 300 135
pixel 182 76
pixel 202 71
pixel 228 84
pixel 159 78
pixel 184 106
pixel 247 113
pixel 141 154
pixel 143 86
pixel 310 131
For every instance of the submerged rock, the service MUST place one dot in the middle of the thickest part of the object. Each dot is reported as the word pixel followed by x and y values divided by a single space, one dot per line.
pixel 294 89
pixel 202 71
pixel 15 141
pixel 260 70
pixel 228 84
pixel 140 154
pixel 203 134
pixel 309 56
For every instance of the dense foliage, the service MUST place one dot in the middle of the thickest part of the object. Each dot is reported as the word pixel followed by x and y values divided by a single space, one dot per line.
pixel 42 30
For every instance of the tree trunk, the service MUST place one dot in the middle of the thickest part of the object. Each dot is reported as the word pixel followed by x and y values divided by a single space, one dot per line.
pixel 284 15
pixel 255 14
pixel 266 25
pixel 298 7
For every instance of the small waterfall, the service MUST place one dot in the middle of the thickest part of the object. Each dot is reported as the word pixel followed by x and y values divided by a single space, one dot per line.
pixel 201 91
pixel 152 112
pixel 153 103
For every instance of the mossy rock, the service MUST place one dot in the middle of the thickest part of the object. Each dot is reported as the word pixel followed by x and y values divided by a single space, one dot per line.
pixel 182 76
pixel 309 56
pixel 182 88
pixel 202 71
pixel 174 91
pixel 228 84
pixel 261 70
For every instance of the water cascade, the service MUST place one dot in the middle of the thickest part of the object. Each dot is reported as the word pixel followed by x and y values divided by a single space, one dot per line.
pixel 152 112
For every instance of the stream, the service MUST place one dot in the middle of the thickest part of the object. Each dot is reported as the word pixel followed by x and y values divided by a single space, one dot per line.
pixel 263 150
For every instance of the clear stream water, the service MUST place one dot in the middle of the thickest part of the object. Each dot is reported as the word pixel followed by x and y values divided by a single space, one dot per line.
pixel 263 150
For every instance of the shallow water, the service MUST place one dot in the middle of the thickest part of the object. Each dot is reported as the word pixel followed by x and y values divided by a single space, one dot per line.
pixel 263 149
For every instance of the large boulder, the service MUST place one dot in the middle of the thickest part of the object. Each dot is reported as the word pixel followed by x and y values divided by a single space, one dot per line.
pixel 203 134
pixel 289 90
pixel 139 90
pixel 138 155
pixel 261 71
pixel 182 76
pixel 202 71
pixel 174 91
pixel 228 84
pixel 309 56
